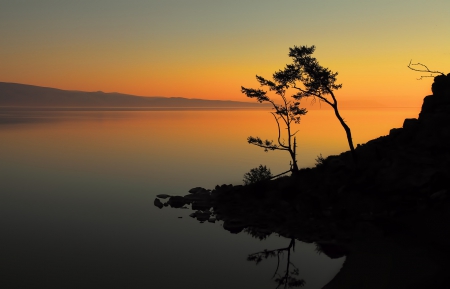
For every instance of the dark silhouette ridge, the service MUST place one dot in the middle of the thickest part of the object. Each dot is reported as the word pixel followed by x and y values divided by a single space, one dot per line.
pixel 389 217
pixel 22 95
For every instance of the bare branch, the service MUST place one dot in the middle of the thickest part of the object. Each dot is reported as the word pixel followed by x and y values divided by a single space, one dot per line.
pixel 427 70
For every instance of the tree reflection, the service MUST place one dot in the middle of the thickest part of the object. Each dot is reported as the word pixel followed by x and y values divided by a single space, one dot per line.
pixel 290 277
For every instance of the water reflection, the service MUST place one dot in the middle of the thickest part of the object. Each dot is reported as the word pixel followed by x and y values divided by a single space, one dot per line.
pixel 260 216
pixel 290 277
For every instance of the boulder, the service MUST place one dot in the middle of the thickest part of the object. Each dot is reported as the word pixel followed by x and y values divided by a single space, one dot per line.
pixel 441 85
pixel 158 203
pixel 410 123
pixel 197 190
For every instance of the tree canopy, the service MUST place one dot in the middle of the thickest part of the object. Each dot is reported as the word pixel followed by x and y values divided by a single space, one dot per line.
pixel 309 79
pixel 288 112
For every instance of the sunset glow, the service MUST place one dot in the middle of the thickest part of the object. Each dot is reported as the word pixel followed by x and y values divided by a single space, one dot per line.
pixel 204 49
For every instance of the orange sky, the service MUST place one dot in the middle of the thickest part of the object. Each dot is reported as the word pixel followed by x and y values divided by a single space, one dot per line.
pixel 208 49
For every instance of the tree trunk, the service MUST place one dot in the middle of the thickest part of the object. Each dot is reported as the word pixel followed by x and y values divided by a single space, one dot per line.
pixel 294 162
pixel 294 156
pixel 348 133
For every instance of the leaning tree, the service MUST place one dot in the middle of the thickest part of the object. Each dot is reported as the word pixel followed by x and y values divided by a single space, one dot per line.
pixel 311 80
pixel 287 112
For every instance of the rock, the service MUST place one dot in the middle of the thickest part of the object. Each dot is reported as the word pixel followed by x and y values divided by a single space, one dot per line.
pixel 410 123
pixel 202 216
pixel 395 132
pixel 201 205
pixel 196 190
pixel 176 201
pixel 163 196
pixel 427 106
pixel 158 203
pixel 212 220
pixel 440 100
pixel 441 85
pixel 199 196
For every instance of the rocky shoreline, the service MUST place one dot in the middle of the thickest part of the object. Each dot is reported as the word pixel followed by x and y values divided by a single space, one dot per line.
pixel 389 213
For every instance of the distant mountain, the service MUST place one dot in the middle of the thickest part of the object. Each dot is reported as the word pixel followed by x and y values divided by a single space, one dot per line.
pixel 22 95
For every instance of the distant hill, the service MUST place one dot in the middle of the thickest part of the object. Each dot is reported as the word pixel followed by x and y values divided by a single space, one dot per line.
pixel 22 95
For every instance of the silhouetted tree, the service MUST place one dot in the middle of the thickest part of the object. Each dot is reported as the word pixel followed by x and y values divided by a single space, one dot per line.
pixel 310 79
pixel 288 112
pixel 258 174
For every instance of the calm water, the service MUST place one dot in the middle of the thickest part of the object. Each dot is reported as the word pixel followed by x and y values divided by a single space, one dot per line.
pixel 77 191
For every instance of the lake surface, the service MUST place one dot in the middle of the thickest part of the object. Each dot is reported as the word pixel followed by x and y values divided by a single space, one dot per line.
pixel 77 191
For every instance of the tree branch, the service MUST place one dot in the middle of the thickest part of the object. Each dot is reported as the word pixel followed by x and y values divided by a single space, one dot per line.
pixel 313 94
pixel 423 70
pixel 267 145
pixel 279 133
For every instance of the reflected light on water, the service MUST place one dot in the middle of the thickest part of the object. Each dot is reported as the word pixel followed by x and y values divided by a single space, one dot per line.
pixel 78 188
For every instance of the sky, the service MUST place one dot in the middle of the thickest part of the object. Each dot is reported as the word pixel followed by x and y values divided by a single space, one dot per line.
pixel 208 49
